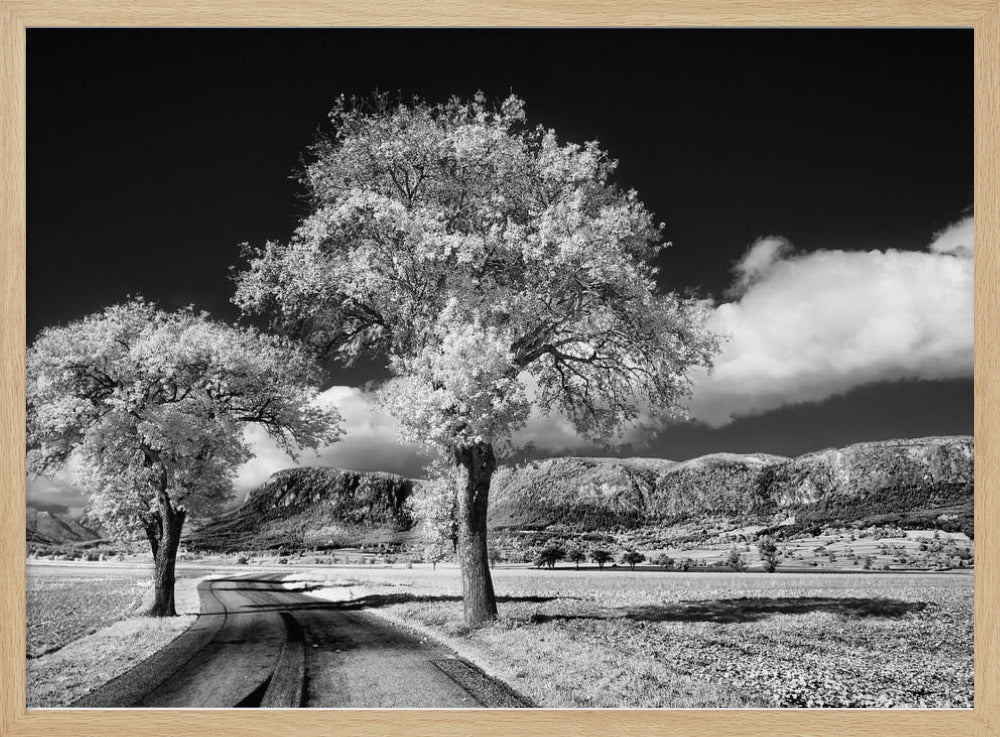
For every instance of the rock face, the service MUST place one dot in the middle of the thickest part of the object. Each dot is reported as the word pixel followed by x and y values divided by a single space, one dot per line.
pixel 313 508
pixel 51 528
pixel 922 479
pixel 909 482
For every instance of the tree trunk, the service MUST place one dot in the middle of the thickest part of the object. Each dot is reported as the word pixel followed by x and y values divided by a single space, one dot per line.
pixel 164 532
pixel 478 598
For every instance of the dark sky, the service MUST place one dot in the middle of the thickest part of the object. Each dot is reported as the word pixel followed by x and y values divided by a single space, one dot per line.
pixel 153 153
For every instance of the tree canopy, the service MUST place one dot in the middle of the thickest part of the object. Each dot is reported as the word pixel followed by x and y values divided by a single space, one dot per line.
pixel 496 269
pixel 152 406
pixel 493 265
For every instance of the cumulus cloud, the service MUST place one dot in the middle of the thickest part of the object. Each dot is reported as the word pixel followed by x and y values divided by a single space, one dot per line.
pixel 369 444
pixel 764 253
pixel 810 326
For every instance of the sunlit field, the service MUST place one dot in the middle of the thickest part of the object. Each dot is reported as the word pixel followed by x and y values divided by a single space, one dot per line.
pixel 586 638
pixel 66 603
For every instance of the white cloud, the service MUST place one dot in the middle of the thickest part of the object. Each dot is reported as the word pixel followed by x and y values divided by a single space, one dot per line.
pixel 764 253
pixel 819 324
pixel 956 239
pixel 369 443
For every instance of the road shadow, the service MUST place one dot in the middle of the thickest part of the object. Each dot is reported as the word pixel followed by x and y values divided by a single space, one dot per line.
pixel 750 609
pixel 371 601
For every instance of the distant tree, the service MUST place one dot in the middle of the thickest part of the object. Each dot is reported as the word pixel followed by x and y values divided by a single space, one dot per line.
pixel 497 269
pixel 435 508
pixel 152 406
pixel 550 555
pixel 769 556
pixel 601 557
pixel 736 561
pixel 631 557
pixel 686 564
pixel 576 556
pixel 664 561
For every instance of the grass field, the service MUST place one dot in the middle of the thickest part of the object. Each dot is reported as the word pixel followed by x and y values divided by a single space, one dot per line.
pixel 83 629
pixel 64 604
pixel 652 639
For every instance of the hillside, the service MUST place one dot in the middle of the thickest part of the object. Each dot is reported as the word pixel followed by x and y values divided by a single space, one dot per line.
pixel 313 508
pixel 923 483
pixel 915 481
pixel 47 526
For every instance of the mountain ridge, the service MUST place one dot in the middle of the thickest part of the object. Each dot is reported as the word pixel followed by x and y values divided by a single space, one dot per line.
pixel 918 482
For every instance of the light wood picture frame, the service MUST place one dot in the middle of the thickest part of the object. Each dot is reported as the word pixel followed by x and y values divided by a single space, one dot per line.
pixel 18 15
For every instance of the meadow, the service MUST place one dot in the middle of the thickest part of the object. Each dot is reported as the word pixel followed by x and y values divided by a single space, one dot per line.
pixel 656 639
pixel 66 603
pixel 590 638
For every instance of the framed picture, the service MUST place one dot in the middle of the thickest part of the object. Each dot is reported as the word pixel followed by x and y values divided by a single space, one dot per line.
pixel 291 290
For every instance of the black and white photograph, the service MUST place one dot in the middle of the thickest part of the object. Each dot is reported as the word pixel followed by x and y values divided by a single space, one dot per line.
pixel 499 368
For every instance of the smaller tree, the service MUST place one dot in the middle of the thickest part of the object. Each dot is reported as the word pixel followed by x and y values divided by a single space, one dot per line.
pixel 576 556
pixel 601 557
pixel 550 555
pixel 434 507
pixel 768 553
pixel 664 560
pixel 631 557
pixel 736 560
pixel 153 406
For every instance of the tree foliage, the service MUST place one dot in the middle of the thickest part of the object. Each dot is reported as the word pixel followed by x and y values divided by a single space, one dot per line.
pixel 736 560
pixel 434 507
pixel 494 266
pixel 601 557
pixel 631 558
pixel 768 551
pixel 152 406
pixel 550 555
pixel 576 556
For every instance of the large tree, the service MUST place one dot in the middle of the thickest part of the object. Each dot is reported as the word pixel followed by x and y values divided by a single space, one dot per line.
pixel 152 407
pixel 495 268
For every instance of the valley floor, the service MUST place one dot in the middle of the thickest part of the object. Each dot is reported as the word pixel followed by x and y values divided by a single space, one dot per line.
pixel 615 638
pixel 652 639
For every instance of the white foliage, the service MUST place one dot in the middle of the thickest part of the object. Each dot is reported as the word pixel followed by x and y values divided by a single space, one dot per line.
pixel 133 392
pixel 476 254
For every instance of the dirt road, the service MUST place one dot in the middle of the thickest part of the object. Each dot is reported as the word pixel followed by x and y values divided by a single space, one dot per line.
pixel 257 644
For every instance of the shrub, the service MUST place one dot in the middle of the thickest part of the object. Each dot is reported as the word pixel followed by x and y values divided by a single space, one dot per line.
pixel 242 560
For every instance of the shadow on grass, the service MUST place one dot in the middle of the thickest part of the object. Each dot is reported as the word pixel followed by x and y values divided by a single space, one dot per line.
pixel 371 601
pixel 750 609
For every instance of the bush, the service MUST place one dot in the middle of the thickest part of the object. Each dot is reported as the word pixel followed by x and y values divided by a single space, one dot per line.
pixel 242 560
pixel 283 561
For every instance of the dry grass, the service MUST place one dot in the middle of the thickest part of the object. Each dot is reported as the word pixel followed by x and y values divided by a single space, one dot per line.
pixel 63 605
pixel 86 598
pixel 674 640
